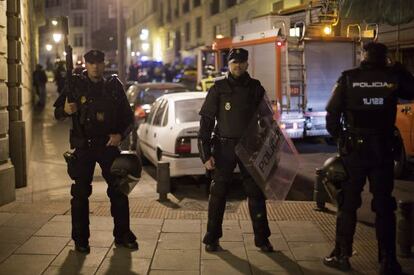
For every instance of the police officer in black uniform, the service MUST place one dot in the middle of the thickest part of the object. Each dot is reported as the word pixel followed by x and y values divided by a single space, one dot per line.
pixel 231 101
pixel 101 118
pixel 361 115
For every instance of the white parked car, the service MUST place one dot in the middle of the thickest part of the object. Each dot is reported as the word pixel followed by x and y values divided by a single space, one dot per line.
pixel 170 133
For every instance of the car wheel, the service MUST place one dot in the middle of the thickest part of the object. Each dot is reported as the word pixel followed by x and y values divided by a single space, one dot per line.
pixel 400 165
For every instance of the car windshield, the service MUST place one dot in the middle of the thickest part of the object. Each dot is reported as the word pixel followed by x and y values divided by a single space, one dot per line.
pixel 187 110
pixel 149 96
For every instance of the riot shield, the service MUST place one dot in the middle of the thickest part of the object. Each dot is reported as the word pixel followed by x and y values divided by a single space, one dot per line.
pixel 268 154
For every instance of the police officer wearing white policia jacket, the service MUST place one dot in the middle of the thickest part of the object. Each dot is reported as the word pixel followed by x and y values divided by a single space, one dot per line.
pixel 361 115
pixel 231 101
pixel 101 118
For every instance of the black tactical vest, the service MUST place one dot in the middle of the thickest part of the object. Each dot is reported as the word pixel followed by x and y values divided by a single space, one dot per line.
pixel 101 115
pixel 237 104
pixel 371 99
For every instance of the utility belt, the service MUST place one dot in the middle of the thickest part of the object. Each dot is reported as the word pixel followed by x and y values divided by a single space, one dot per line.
pixel 357 140
pixel 87 142
pixel 225 140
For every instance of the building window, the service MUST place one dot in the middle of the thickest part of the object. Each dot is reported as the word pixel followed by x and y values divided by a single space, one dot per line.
pixel 215 7
pixel 177 9
pixel 78 4
pixel 216 31
pixel 233 23
pixel 196 3
pixel 52 3
pixel 78 40
pixel 77 20
pixel 187 32
pixel 230 3
pixel 169 12
pixel 277 6
pixel 186 6
pixel 199 27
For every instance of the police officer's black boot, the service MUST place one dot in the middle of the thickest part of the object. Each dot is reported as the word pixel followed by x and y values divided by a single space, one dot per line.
pixel 339 258
pixel 82 247
pixel 213 247
pixel 266 246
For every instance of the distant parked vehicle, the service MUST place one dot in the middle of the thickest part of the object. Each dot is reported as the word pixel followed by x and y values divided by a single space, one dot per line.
pixel 170 133
pixel 405 123
pixel 141 96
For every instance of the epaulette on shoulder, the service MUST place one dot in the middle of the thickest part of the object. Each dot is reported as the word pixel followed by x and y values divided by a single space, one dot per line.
pixel 223 77
pixel 350 71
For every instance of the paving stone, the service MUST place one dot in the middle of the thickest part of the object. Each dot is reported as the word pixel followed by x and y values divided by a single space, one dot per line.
pixel 127 266
pixel 56 229
pixel 143 221
pixel 173 272
pixel 301 231
pixel 318 268
pixel 230 249
pixel 147 232
pixel 62 218
pixel 101 223
pixel 247 227
pixel 189 226
pixel 145 251
pixel 6 249
pixel 269 261
pixel 101 238
pixel 306 251
pixel 70 270
pixel 15 234
pixel 4 217
pixel 29 220
pixel 282 268
pixel 25 264
pixel 179 241
pixel 277 240
pixel 43 245
pixel 231 265
pixel 176 260
pixel 69 257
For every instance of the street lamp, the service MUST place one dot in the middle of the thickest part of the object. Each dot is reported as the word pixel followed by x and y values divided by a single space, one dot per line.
pixel 57 37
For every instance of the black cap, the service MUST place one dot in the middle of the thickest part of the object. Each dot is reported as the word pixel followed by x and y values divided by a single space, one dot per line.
pixel 238 54
pixel 94 56
pixel 376 51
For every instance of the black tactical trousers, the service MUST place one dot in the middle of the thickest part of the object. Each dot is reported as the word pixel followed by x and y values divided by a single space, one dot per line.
pixel 381 183
pixel 82 170
pixel 226 161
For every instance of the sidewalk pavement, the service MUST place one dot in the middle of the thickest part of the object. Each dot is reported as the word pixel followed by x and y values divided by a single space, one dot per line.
pixel 35 229
pixel 35 239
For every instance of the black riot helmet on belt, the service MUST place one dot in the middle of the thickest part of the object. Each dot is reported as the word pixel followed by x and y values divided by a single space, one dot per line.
pixel 127 168
pixel 332 175
pixel 334 171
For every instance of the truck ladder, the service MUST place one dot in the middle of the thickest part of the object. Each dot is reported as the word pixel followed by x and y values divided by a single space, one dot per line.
pixel 293 78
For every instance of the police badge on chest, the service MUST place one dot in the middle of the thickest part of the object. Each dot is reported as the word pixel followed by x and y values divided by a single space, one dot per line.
pixel 100 116
pixel 227 106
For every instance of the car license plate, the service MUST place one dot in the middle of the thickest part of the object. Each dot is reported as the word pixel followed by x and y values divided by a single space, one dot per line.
pixel 194 146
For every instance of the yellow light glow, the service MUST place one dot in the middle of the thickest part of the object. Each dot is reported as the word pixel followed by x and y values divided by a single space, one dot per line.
pixel 157 49
pixel 219 36
pixel 49 47
pixel 54 22
pixel 57 37
pixel 327 30
pixel 145 47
